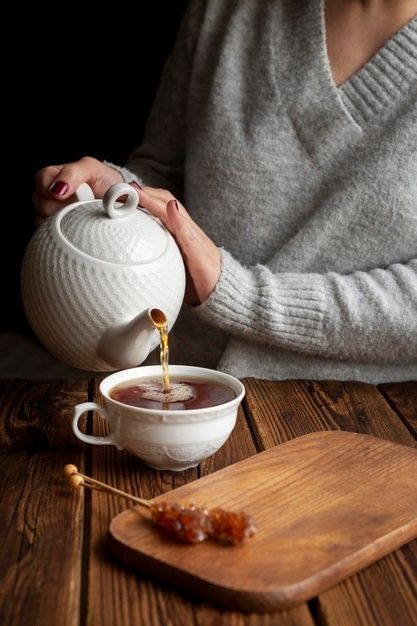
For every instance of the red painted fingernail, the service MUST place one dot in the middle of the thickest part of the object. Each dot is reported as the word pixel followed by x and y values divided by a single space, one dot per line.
pixel 136 185
pixel 59 188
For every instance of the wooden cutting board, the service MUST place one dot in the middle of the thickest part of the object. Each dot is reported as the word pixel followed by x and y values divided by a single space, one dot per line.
pixel 326 505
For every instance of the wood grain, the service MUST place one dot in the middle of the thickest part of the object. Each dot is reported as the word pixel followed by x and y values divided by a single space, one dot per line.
pixel 403 400
pixel 327 504
pixel 277 410
pixel 385 593
pixel 116 595
pixel 41 519
pixel 150 602
pixel 55 563
pixel 282 410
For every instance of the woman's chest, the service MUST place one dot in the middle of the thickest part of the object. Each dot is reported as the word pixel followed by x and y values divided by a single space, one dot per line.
pixel 257 190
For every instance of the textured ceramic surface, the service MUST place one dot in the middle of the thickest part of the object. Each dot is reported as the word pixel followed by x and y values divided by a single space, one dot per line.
pixel 132 239
pixel 166 440
pixel 84 273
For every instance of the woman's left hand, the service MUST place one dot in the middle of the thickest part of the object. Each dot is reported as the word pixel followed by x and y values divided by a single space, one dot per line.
pixel 201 256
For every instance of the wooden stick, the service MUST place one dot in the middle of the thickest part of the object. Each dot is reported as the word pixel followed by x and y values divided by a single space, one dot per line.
pixel 71 470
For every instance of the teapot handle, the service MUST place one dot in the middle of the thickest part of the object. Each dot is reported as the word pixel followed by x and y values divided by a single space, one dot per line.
pixel 84 193
pixel 113 208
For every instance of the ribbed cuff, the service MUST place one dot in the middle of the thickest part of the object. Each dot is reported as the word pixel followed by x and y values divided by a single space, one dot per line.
pixel 278 309
pixel 386 79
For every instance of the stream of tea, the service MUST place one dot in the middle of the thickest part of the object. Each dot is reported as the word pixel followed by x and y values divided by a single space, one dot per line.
pixel 171 393
pixel 163 332
pixel 177 392
pixel 161 324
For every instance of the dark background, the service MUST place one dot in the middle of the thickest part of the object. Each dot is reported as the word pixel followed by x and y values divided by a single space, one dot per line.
pixel 62 108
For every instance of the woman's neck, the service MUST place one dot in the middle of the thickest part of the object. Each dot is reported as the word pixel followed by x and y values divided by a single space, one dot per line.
pixel 394 5
pixel 357 29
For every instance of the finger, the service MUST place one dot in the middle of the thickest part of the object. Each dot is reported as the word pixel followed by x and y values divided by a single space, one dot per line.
pixel 48 206
pixel 158 208
pixel 154 192
pixel 63 181
pixel 192 241
pixel 159 194
pixel 45 204
pixel 201 256
pixel 184 214
pixel 154 205
pixel 72 175
pixel 45 177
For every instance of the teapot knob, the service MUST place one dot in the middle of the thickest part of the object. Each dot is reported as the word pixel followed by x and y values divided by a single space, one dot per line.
pixel 116 209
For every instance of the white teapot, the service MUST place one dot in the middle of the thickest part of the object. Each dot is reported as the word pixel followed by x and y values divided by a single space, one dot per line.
pixel 91 276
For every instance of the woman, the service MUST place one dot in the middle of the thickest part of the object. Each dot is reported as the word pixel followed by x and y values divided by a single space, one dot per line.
pixel 289 131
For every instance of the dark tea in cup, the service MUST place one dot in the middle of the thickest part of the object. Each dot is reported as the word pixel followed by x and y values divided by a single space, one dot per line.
pixel 188 429
pixel 171 394
pixel 183 395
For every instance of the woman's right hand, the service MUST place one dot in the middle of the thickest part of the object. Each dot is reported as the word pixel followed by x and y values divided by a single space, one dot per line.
pixel 57 184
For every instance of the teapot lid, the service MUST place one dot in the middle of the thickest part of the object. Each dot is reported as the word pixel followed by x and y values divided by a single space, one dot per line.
pixel 111 231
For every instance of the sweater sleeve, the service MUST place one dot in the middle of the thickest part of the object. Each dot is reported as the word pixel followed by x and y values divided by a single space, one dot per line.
pixel 364 316
pixel 159 160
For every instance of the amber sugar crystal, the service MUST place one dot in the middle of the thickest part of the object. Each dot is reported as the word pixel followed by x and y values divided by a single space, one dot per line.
pixel 189 523
pixel 192 524
pixel 231 527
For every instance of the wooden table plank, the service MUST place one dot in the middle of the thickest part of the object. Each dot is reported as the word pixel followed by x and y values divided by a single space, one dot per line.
pixel 286 409
pixel 41 521
pixel 403 399
pixel 210 616
pixel 119 596
pixel 241 445
pixel 293 408
pixel 115 594
pixel 384 594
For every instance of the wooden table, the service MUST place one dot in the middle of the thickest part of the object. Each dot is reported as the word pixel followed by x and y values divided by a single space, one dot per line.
pixel 55 566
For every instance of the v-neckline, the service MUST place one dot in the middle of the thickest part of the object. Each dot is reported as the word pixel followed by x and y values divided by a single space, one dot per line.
pixel 328 119
pixel 379 82
pixel 389 44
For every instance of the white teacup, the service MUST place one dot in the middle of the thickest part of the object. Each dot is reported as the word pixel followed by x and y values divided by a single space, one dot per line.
pixel 164 439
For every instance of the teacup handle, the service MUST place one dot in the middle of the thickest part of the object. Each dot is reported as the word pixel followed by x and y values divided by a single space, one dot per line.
pixel 79 409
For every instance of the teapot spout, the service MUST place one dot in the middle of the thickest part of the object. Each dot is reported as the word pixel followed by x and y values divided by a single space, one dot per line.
pixel 127 345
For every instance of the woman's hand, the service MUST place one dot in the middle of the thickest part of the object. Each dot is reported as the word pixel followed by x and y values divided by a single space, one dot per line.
pixel 201 256
pixel 56 184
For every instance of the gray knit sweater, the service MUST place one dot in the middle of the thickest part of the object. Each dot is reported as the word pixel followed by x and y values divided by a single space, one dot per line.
pixel 309 189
